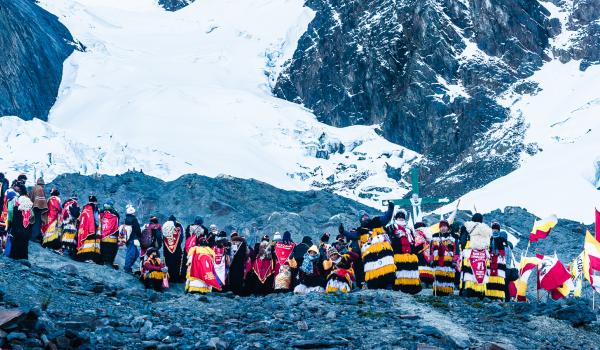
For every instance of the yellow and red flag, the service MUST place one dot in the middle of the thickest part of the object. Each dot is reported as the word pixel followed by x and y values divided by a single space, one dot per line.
pixel 542 228
pixel 526 266
pixel 591 261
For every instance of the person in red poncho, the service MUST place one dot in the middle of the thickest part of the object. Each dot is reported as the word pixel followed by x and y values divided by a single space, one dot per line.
pixel 109 243
pixel 201 275
pixel 88 234
pixel 283 271
pixel 51 229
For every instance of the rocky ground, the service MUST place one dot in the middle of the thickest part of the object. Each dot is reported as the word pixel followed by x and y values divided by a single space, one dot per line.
pixel 65 304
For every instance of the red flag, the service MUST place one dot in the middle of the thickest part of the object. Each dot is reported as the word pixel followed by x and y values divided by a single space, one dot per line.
pixel 553 273
pixel 597 225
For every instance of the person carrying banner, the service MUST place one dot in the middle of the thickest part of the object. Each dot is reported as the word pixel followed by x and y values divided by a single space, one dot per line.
pixel 475 257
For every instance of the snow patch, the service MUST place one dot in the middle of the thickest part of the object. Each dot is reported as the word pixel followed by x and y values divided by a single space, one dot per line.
pixel 564 122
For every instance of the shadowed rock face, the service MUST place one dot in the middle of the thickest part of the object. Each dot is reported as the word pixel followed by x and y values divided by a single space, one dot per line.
pixel 409 67
pixel 34 45
pixel 251 206
pixel 174 5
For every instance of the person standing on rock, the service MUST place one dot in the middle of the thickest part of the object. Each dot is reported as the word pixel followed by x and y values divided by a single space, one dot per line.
pixel 283 272
pixel 51 229
pixel 297 257
pixel 201 276
pixel 496 285
pixel 132 233
pixel 40 209
pixel 237 271
pixel 88 233
pixel 194 232
pixel 154 271
pixel 324 244
pixel 222 258
pixel 151 236
pixel 4 186
pixel 311 274
pixel 109 243
pixel 377 252
pixel 354 245
pixel 443 246
pixel 20 217
pixel 173 237
pixel 69 216
pixel 261 278
pixel 423 249
pixel 405 257
pixel 475 257
pixel 9 196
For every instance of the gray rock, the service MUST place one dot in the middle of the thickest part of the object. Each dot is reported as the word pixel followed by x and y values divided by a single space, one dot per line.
pixel 16 336
pixel 175 331
pixel 302 325
pixel 150 344
pixel 217 343
pixel 70 270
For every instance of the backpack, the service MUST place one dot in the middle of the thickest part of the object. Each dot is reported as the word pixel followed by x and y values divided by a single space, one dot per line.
pixel 147 237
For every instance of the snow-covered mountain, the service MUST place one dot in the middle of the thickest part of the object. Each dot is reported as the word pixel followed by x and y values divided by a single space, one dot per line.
pixel 496 95
pixel 194 85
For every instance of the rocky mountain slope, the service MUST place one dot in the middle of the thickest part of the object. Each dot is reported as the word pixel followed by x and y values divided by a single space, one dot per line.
pixel 34 45
pixel 432 74
pixel 69 305
pixel 253 207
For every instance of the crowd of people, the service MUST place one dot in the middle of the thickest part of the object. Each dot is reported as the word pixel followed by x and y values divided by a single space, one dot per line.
pixel 381 252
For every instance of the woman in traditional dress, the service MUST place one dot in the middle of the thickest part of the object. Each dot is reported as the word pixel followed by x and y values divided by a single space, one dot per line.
pixel 237 270
pixel 69 215
pixel 173 237
pixel 423 250
pixel 51 230
pixel 154 271
pixel 109 240
pixel 283 271
pixel 21 224
pixel 496 285
pixel 340 274
pixel 88 234
pixel 311 274
pixel 407 261
pixel 261 278
pixel 201 274
pixel 443 246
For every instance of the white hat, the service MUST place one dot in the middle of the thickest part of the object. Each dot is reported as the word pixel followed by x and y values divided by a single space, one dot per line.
pixel 130 209
pixel 277 236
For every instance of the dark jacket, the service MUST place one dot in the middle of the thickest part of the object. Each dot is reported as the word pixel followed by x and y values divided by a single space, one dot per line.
pixel 136 231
